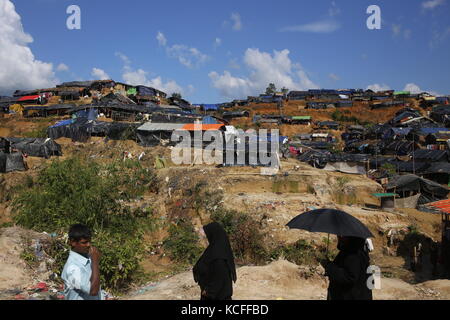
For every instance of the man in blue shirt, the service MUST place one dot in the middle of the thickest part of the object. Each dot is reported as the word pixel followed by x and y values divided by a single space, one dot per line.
pixel 81 273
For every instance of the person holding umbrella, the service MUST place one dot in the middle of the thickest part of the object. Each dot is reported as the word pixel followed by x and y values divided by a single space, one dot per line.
pixel 215 271
pixel 348 272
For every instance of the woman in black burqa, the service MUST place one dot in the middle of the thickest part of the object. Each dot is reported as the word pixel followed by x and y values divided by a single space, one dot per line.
pixel 215 270
pixel 348 272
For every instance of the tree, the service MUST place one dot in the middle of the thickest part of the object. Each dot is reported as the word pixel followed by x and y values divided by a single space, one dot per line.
pixel 284 90
pixel 271 89
pixel 176 95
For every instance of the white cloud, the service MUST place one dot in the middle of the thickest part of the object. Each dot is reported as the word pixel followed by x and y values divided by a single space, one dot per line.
pixel 378 87
pixel 19 69
pixel 217 43
pixel 233 64
pixel 237 24
pixel 124 58
pixel 334 10
pixel 432 4
pixel 139 77
pixel 415 89
pixel 62 67
pixel 264 69
pixel 187 56
pixel 322 26
pixel 99 74
pixel 161 39
pixel 334 77
pixel 396 29
pixel 438 37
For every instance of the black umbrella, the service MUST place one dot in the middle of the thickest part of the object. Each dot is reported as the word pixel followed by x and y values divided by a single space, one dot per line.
pixel 330 221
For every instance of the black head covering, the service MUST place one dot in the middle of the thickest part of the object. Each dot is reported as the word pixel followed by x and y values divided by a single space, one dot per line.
pixel 351 244
pixel 219 248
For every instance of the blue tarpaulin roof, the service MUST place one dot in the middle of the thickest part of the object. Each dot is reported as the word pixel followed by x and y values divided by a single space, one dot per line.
pixel 207 107
pixel 63 123
pixel 427 131
pixel 210 120
pixel 401 131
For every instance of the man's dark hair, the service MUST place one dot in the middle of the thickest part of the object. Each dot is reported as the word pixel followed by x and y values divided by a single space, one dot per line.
pixel 78 232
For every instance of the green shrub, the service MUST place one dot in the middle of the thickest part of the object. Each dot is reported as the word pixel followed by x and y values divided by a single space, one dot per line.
pixel 38 133
pixel 390 168
pixel 244 232
pixel 75 191
pixel 182 244
pixel 303 252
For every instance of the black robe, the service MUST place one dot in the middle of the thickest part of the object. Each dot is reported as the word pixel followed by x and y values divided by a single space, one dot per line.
pixel 215 271
pixel 348 272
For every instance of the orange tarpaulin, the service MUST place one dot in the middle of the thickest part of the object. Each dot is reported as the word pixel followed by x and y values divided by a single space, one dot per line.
pixel 202 127
pixel 443 205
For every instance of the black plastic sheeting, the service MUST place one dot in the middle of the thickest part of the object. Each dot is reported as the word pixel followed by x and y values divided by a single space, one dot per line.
pixel 438 167
pixel 174 118
pixel 11 162
pixel 430 155
pixel 34 147
pixel 430 191
pixel 82 129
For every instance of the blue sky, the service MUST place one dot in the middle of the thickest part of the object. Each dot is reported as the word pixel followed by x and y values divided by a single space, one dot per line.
pixel 215 51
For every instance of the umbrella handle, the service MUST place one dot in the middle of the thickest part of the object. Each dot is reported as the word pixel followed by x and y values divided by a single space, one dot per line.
pixel 328 243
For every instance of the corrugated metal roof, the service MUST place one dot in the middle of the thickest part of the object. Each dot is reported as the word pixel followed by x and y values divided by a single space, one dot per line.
pixel 301 118
pixel 382 195
pixel 149 126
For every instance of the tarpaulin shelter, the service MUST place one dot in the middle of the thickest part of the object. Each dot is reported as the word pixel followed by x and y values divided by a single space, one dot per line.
pixel 344 104
pixel 328 124
pixel 316 105
pixel 430 155
pixel 400 147
pixel 209 107
pixel 80 84
pixel 151 134
pixel 115 99
pixel 35 147
pixel 45 111
pixel 408 185
pixel 82 129
pixel 70 95
pixel 441 114
pixel 10 162
pixel 396 133
pixel 297 95
pixel 236 114
pixel 160 117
